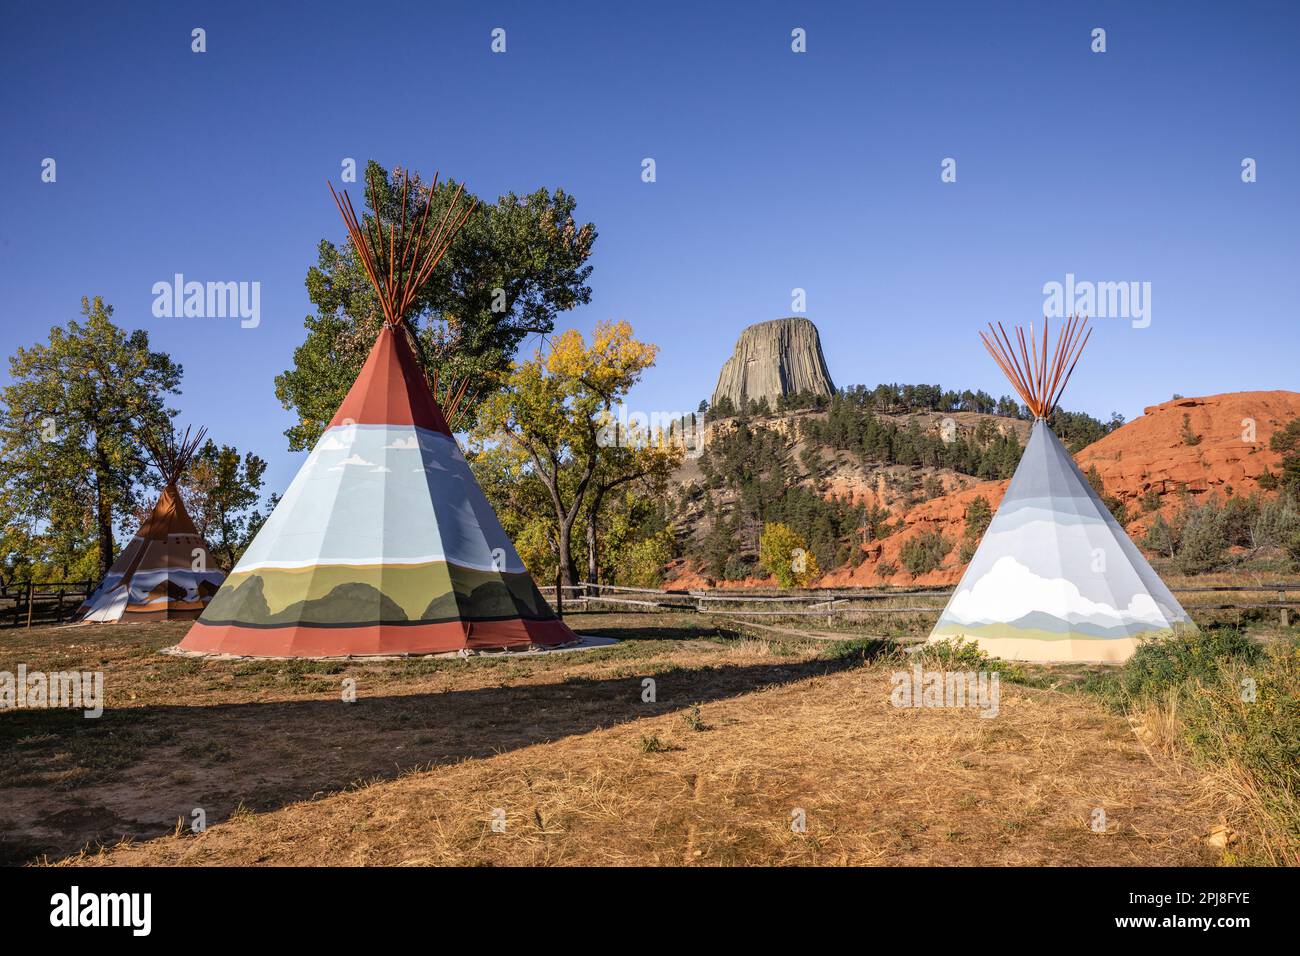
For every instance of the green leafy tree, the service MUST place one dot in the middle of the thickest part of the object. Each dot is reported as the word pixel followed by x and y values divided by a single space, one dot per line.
pixel 514 266
pixel 783 554
pixel 73 418
pixel 630 459
pixel 223 494
pixel 639 560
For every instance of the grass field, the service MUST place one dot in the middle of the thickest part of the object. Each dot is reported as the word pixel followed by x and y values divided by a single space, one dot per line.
pixel 558 759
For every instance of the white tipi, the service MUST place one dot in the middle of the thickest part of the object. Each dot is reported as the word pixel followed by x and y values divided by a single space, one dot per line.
pixel 1055 577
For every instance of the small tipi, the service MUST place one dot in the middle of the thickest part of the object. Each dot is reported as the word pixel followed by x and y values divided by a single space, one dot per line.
pixel 1055 577
pixel 384 544
pixel 165 573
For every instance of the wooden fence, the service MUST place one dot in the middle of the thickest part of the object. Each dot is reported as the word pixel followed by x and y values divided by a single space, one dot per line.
pixel 860 603
pixel 41 602
pixel 55 602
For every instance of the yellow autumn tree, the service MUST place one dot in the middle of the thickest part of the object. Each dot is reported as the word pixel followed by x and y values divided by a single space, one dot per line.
pixel 555 413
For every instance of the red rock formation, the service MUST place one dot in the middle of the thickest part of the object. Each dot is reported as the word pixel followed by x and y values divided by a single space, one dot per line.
pixel 1149 454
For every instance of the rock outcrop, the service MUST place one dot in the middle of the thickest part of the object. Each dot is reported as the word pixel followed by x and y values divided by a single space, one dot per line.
pixel 772 359
pixel 1221 447
pixel 1216 444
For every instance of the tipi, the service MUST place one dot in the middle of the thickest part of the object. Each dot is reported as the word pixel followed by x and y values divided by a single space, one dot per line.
pixel 384 544
pixel 165 572
pixel 1055 578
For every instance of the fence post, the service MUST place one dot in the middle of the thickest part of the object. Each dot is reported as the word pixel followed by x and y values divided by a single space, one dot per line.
pixel 559 593
pixel 31 596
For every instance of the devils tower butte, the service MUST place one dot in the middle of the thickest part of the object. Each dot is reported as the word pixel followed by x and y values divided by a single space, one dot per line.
pixel 772 359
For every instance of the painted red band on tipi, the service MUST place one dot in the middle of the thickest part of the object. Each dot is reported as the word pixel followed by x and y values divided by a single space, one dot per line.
pixel 391 389
pixel 377 639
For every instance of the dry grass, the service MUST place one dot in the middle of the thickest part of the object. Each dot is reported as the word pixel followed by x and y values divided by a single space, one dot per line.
pixel 1241 804
pixel 434 751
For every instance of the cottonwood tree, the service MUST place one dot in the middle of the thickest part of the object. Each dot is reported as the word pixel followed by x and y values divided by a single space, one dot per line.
pixel 514 266
pixel 633 457
pixel 521 502
pixel 71 431
pixel 222 494
pixel 553 412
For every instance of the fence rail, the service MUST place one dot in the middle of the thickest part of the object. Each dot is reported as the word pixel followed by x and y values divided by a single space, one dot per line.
pixel 42 602
pixel 849 603
pixel 48 601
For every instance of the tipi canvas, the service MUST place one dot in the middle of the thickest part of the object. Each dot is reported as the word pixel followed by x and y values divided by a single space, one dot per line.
pixel 384 544
pixel 164 573
pixel 1055 577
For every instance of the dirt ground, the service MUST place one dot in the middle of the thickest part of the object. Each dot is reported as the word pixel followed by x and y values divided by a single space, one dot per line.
pixel 560 759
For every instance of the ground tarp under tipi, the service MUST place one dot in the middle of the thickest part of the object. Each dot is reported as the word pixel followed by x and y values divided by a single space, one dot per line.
pixel 1055 577
pixel 165 573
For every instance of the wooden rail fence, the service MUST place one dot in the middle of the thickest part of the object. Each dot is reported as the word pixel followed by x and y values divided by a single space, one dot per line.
pixel 851 602
pixel 42 602
pixel 25 603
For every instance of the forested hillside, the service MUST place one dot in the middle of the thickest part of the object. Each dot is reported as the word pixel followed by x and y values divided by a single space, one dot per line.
pixel 841 471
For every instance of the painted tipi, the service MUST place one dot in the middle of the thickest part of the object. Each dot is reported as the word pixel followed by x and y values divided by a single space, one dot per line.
pixel 1055 577
pixel 384 544
pixel 165 573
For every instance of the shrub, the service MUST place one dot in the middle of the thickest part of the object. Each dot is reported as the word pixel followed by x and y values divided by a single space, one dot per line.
pixel 1203 540
pixel 651 744
pixel 1161 538
pixel 641 563
pixel 783 554
pixel 1163 665
pixel 925 552
pixel 736 568
pixel 1292 546
pixel 1231 705
pixel 954 652
pixel 1244 725
pixel 861 649
pixel 693 719
pixel 1276 524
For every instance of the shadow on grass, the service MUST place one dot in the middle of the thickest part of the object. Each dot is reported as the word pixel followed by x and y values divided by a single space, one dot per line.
pixel 162 762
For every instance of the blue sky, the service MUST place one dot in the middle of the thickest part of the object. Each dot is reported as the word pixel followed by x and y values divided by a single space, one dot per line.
pixel 775 170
